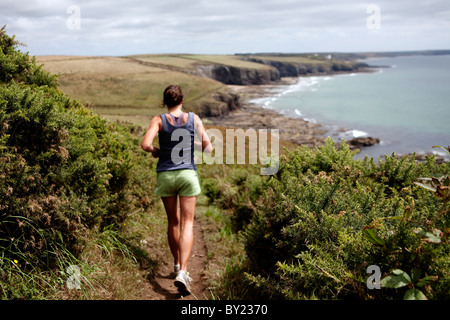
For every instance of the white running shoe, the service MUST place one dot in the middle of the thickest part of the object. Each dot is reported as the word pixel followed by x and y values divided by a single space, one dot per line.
pixel 183 282
pixel 176 268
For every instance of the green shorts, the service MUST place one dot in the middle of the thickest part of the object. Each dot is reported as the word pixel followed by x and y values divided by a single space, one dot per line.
pixel 183 182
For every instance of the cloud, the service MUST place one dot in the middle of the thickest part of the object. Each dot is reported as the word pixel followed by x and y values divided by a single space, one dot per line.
pixel 219 26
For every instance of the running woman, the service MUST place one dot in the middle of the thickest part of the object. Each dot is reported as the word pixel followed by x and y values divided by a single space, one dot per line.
pixel 177 177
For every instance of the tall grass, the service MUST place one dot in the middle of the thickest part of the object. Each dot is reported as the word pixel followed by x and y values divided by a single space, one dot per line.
pixel 24 277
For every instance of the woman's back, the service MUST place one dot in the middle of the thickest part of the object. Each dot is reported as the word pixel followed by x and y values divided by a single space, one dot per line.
pixel 176 143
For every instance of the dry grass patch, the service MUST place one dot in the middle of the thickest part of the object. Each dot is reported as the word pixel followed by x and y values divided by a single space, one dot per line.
pixel 292 59
pixel 228 60
pixel 190 61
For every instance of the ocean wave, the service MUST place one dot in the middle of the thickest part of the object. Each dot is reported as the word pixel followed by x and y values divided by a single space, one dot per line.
pixel 312 120
pixel 441 153
pixel 358 133
pixel 303 84
pixel 354 133
pixel 307 83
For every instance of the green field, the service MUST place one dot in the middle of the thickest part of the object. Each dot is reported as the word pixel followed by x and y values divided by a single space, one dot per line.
pixel 190 61
pixel 123 88
pixel 292 59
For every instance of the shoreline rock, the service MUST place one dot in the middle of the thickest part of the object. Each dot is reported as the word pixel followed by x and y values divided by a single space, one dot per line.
pixel 358 143
pixel 423 157
pixel 239 76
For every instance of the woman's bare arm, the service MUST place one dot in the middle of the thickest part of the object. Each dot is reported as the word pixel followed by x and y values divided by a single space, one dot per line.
pixel 147 142
pixel 205 144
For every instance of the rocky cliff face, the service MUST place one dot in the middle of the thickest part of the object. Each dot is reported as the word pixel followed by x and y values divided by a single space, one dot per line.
pixel 220 105
pixel 239 76
pixel 291 69
pixel 246 76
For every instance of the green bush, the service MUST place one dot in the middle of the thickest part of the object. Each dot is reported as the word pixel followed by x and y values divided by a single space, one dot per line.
pixel 239 191
pixel 310 238
pixel 20 67
pixel 63 170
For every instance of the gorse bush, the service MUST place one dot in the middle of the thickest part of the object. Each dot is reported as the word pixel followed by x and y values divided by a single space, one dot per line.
pixel 63 170
pixel 238 191
pixel 325 218
pixel 19 67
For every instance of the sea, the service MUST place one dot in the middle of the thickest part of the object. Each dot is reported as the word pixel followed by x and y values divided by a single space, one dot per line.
pixel 405 103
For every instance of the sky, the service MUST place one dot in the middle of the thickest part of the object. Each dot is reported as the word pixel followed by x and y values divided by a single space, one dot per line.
pixel 118 28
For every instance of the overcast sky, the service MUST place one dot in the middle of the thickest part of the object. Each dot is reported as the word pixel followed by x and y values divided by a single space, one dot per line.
pixel 116 28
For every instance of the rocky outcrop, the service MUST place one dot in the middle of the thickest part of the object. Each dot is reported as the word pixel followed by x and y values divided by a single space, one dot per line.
pixel 421 157
pixel 239 76
pixel 220 104
pixel 358 143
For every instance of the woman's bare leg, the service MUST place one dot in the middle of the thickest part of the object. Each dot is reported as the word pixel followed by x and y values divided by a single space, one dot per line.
pixel 173 229
pixel 180 230
pixel 186 240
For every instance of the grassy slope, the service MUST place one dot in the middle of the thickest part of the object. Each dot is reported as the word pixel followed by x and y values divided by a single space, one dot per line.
pixel 190 61
pixel 305 60
pixel 121 88
pixel 292 59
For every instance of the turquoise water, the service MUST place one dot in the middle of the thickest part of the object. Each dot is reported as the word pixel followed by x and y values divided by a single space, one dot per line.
pixel 407 105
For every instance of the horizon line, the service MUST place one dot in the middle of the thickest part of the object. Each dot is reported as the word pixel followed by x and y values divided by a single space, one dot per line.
pixel 429 51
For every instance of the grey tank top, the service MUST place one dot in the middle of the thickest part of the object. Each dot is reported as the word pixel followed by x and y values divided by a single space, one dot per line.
pixel 176 144
pixel 178 121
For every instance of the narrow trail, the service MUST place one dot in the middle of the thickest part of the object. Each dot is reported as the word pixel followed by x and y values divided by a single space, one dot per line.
pixel 161 283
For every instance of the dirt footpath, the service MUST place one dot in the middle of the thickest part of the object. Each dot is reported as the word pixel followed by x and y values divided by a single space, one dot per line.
pixel 161 284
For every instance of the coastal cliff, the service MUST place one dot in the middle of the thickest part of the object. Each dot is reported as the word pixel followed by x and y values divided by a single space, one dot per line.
pixel 250 69
pixel 296 69
pixel 273 68
pixel 238 75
